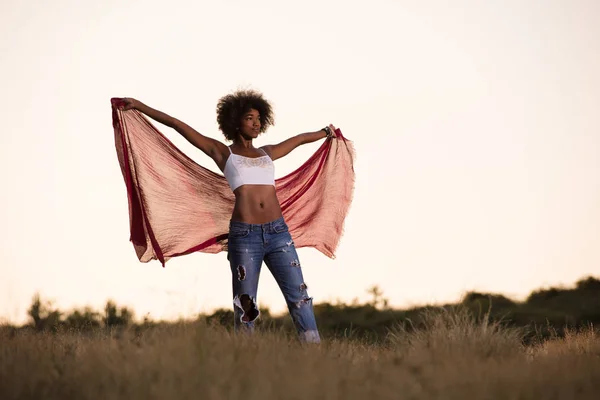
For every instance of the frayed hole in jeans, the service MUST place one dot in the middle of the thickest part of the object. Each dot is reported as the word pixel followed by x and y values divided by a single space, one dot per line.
pixel 248 306
pixel 241 272
pixel 304 301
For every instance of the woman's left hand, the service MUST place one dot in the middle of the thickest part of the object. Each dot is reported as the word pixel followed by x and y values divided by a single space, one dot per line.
pixel 333 132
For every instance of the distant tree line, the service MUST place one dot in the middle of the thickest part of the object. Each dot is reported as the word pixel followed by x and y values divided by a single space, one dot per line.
pixel 544 312
pixel 44 317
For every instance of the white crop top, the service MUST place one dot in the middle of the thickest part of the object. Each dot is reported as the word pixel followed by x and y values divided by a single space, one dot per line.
pixel 240 170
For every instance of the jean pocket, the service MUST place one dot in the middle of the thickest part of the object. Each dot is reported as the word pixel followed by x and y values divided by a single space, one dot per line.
pixel 280 228
pixel 238 233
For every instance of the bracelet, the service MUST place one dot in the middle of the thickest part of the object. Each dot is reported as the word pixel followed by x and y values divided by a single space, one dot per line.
pixel 327 131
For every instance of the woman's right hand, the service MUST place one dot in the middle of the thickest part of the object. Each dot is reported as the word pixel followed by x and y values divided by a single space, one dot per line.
pixel 129 103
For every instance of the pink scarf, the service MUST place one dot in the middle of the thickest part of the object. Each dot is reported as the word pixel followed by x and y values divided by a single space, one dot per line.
pixel 178 207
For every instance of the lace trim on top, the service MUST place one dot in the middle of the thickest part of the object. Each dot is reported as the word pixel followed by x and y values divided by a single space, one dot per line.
pixel 258 162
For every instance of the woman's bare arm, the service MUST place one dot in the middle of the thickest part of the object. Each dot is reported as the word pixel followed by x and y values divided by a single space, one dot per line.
pixel 279 150
pixel 211 147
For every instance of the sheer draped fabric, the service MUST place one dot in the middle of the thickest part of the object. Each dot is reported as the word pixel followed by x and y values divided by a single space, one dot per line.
pixel 178 207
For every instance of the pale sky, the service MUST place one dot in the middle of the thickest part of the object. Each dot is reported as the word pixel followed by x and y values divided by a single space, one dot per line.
pixel 476 126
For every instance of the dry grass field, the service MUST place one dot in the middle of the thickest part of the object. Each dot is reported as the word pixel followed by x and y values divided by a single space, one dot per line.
pixel 451 356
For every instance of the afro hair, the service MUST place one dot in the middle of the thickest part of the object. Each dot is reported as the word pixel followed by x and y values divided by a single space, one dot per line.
pixel 232 107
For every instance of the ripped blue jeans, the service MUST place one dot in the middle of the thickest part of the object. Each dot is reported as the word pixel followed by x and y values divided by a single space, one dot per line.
pixel 251 244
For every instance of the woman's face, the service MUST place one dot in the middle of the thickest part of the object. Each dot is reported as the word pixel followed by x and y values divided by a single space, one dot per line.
pixel 250 127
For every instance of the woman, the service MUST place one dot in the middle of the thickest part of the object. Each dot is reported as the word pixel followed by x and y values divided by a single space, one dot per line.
pixel 257 230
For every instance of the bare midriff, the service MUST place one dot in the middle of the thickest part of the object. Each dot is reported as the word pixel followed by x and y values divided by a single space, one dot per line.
pixel 256 204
